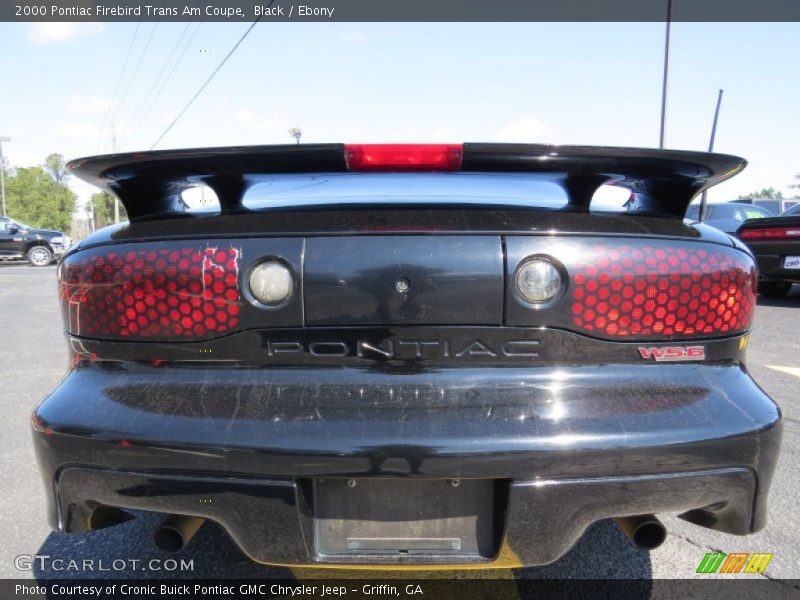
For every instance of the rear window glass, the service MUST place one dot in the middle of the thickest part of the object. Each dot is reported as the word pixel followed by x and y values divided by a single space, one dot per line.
pixel 750 213
pixel 500 189
pixel 407 188
pixel 330 189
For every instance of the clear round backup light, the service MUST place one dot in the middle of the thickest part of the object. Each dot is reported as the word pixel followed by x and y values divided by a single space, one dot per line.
pixel 271 283
pixel 538 281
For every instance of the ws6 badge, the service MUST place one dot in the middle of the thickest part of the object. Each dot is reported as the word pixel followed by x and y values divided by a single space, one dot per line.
pixel 672 353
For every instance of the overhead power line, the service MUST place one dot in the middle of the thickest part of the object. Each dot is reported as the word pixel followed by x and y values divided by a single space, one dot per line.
pixel 119 79
pixel 164 83
pixel 156 81
pixel 207 81
pixel 135 71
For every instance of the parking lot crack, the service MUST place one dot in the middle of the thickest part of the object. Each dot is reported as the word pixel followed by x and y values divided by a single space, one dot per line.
pixel 693 543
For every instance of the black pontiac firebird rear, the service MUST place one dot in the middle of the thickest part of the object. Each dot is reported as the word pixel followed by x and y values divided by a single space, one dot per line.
pixel 396 354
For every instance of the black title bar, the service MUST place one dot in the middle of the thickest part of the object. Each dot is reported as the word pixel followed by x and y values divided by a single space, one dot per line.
pixel 408 588
pixel 399 11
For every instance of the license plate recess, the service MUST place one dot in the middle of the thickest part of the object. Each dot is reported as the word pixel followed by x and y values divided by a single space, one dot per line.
pixel 407 520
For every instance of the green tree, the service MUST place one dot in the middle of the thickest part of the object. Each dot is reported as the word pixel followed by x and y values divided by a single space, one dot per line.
pixel 769 192
pixel 37 199
pixel 796 186
pixel 56 167
pixel 103 204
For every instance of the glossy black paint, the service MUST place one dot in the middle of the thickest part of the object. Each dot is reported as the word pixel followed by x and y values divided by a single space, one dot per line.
pixel 552 515
pixel 566 428
pixel 664 181
pixel 404 220
pixel 269 422
pixel 451 381
pixel 543 520
pixel 151 183
pixel 770 254
pixel 456 280
pixel 397 349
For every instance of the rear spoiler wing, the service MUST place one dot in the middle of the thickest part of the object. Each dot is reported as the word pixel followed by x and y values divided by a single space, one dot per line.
pixel 664 182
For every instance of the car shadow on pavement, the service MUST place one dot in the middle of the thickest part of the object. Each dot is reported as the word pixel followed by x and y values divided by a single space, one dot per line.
pixel 790 299
pixel 127 551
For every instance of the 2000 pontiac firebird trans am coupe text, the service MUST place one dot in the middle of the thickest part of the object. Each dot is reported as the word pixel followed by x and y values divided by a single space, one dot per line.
pixel 408 355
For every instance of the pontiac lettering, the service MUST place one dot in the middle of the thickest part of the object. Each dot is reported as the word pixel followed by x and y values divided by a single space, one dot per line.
pixel 406 349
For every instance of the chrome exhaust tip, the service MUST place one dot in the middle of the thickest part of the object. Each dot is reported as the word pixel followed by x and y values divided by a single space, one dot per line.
pixel 645 532
pixel 176 531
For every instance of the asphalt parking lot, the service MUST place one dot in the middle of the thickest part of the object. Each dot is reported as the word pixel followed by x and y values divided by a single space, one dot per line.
pixel 33 359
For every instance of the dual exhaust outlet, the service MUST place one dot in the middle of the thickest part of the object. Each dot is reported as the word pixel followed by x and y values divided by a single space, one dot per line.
pixel 176 531
pixel 645 532
pixel 172 535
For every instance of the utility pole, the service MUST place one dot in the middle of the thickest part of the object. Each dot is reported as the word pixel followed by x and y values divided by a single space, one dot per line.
pixel 703 203
pixel 666 75
pixel 2 173
pixel 91 215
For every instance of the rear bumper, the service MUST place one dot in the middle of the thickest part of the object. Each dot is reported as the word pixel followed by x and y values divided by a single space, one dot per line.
pixel 572 445
pixel 770 265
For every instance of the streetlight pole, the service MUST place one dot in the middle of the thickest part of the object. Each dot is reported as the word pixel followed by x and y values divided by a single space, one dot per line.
pixel 295 133
pixel 703 204
pixel 114 148
pixel 3 173
pixel 666 75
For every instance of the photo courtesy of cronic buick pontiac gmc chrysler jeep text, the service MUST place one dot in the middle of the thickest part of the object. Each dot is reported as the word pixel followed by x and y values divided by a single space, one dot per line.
pixel 407 354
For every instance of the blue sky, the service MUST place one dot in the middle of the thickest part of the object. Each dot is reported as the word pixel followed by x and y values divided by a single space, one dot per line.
pixel 572 83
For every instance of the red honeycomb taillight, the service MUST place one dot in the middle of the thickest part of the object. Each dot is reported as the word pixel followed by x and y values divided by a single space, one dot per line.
pixel 174 292
pixel 660 290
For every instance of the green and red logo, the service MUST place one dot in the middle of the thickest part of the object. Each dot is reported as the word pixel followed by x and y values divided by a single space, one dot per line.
pixel 735 562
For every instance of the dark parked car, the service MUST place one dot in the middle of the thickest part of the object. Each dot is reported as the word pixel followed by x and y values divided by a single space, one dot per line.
pixel 727 216
pixel 37 246
pixel 776 245
pixel 401 354
pixel 775 206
